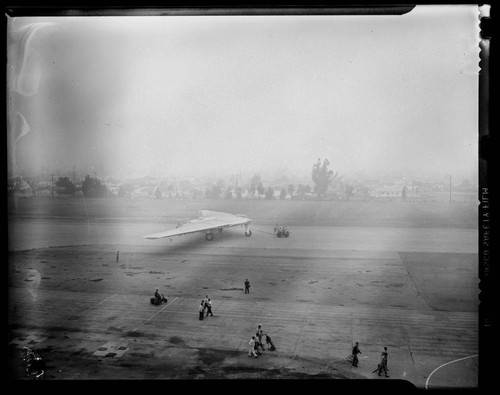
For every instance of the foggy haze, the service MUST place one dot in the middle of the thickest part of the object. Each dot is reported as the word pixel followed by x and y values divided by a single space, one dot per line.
pixel 228 94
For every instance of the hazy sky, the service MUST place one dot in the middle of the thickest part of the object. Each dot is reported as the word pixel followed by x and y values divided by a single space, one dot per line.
pixel 188 94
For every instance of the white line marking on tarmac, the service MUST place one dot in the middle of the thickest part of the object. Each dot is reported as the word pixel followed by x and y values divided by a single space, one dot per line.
pixel 300 333
pixel 155 314
pixel 105 300
pixel 407 339
pixel 444 364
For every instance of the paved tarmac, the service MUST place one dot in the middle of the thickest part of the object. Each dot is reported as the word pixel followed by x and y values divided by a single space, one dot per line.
pixel 413 290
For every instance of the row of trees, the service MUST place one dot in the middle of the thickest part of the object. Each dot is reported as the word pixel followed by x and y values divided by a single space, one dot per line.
pixel 322 177
pixel 91 187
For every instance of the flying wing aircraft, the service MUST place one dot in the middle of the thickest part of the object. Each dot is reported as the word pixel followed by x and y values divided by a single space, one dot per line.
pixel 208 222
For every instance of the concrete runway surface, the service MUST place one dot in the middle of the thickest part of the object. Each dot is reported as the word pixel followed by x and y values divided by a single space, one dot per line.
pixel 413 290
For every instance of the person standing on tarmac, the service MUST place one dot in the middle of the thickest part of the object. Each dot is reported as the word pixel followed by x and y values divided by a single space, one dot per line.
pixel 259 334
pixel 201 310
pixel 247 286
pixel 205 302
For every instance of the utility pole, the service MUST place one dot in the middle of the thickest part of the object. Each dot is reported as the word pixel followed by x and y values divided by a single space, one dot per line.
pixel 450 189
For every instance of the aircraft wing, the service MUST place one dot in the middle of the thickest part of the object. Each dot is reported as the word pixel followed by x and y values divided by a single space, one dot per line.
pixel 208 221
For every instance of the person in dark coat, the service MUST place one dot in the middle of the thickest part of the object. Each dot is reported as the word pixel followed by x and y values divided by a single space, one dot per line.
pixel 269 342
pixel 382 366
pixel 208 305
pixel 355 352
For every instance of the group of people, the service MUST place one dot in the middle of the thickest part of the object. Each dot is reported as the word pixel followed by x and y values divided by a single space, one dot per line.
pixel 281 230
pixel 256 342
pixel 381 367
pixel 206 304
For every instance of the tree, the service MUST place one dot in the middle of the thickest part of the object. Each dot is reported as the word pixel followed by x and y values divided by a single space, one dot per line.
pixel 238 191
pixel 252 189
pixel 65 186
pixel 269 193
pixel 158 194
pixel 260 189
pixel 255 182
pixel 125 190
pixel 229 193
pixel 291 188
pixel 196 194
pixel 322 177
pixel 256 179
pixel 215 191
pixel 404 192
pixel 301 189
pixel 348 191
pixel 92 187
pixel 283 193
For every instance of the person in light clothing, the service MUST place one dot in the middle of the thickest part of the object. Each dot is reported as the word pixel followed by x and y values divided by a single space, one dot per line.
pixel 251 351
pixel 201 309
pixel 259 334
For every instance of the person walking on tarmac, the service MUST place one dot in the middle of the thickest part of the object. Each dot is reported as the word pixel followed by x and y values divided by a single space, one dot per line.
pixel 247 286
pixel 382 366
pixel 269 342
pixel 208 305
pixel 251 351
pixel 355 352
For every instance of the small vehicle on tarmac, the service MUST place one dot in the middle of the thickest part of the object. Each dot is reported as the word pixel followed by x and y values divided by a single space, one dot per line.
pixel 281 231
pixel 158 299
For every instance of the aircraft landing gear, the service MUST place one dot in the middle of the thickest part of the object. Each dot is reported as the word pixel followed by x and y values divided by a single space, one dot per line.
pixel 248 233
pixel 209 236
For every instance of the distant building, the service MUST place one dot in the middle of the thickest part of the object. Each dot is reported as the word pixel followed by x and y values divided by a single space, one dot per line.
pixel 388 191
pixel 113 188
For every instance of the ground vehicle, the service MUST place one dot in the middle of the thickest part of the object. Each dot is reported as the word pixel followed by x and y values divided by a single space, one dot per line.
pixel 281 231
pixel 158 301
